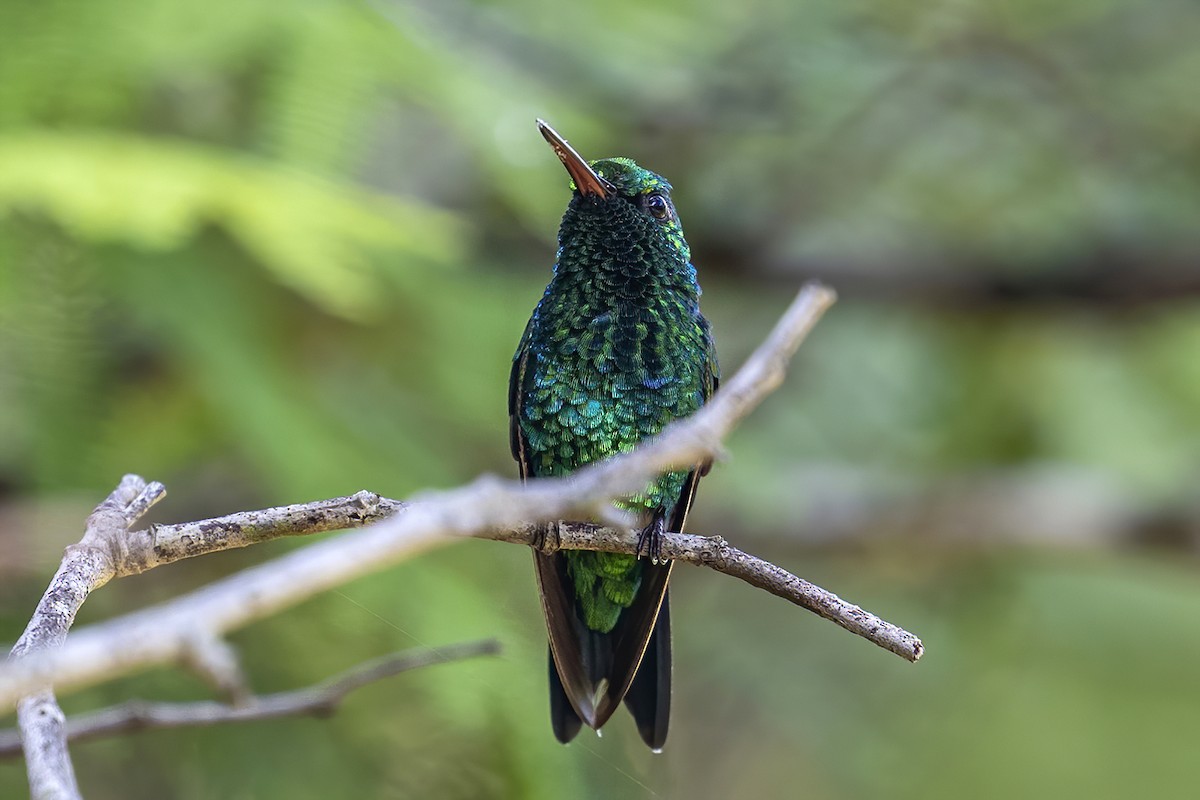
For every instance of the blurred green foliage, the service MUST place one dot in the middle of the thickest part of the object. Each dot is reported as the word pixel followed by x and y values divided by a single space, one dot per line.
pixel 274 252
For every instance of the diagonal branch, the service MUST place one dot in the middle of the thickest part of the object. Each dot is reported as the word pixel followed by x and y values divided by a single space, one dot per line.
pixel 489 507
pixel 161 634
pixel 320 700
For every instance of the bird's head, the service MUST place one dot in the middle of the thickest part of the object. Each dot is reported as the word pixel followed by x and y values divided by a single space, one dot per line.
pixel 614 197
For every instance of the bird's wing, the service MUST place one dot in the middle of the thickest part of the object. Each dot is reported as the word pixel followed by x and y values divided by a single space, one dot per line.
pixel 574 649
pixel 516 439
pixel 572 687
pixel 712 381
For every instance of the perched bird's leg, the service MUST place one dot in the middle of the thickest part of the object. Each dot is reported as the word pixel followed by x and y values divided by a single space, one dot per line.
pixel 545 537
pixel 651 538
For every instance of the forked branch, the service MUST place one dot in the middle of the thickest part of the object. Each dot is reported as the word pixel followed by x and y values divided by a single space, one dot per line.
pixel 488 508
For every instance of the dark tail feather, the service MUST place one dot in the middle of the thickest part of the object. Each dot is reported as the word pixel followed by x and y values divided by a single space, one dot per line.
pixel 563 719
pixel 591 672
pixel 649 696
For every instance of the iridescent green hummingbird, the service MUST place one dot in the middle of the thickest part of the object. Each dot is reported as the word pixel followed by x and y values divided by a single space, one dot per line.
pixel 615 350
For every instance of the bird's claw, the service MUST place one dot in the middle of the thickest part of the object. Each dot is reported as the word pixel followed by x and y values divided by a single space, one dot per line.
pixel 650 541
pixel 545 538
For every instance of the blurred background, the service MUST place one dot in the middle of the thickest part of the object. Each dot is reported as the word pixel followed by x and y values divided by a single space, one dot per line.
pixel 274 252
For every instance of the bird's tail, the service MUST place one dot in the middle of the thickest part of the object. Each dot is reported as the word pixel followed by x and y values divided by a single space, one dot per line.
pixel 592 672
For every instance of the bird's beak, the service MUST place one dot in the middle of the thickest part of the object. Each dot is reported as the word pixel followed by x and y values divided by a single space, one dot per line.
pixel 586 180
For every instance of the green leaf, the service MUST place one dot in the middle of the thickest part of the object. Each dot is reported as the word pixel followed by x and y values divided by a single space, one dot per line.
pixel 321 238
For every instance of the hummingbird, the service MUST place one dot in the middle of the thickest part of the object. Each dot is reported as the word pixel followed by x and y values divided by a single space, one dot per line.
pixel 615 350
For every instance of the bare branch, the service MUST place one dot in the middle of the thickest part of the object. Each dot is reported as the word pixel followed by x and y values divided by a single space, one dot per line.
pixel 217 664
pixel 220 533
pixel 162 544
pixel 85 566
pixel 487 507
pixel 160 634
pixel 320 700
pixel 717 554
pixel 47 762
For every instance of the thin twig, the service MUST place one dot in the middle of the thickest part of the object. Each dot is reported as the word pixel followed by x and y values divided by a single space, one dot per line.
pixel 320 700
pixel 717 554
pixel 162 544
pixel 216 663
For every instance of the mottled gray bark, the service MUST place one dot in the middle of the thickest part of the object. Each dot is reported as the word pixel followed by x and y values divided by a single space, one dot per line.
pixel 86 565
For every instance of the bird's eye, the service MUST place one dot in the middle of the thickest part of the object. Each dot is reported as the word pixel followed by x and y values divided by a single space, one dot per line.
pixel 658 206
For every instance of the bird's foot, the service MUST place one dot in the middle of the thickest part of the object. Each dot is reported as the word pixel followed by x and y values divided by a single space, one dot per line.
pixel 650 540
pixel 545 537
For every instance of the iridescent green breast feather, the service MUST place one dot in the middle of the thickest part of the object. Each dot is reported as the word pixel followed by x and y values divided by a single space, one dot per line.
pixel 616 350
